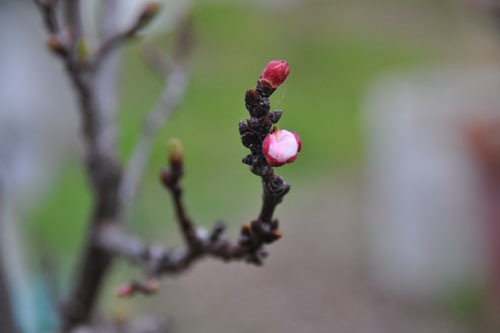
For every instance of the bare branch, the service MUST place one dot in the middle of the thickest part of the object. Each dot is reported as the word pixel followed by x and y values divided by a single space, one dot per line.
pixel 102 165
pixel 117 39
pixel 157 261
pixel 96 91
pixel 48 11
pixel 72 17
pixel 176 85
pixel 95 84
pixel 171 98
pixel 157 62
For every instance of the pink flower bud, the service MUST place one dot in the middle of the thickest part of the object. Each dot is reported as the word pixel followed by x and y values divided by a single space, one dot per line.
pixel 125 290
pixel 280 147
pixel 275 73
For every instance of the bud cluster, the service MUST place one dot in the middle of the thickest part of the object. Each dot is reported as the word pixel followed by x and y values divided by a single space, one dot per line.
pixel 254 235
pixel 268 146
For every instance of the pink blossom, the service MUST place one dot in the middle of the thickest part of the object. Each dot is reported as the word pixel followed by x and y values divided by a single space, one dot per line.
pixel 280 147
pixel 275 73
pixel 125 290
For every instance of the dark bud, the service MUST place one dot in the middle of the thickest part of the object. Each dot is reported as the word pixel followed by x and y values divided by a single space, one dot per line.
pixel 242 127
pixel 245 229
pixel 265 125
pixel 217 231
pixel 248 139
pixel 275 116
pixel 260 228
pixel 256 104
pixel 270 236
pixel 244 241
pixel 257 257
pixel 286 188
pixel 263 254
pixel 253 123
pixel 278 186
pixel 264 89
pixel 254 258
pixel 247 159
pixel 274 224
pixel 259 169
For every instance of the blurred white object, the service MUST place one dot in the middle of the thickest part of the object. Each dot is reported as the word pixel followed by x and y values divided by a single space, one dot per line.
pixel 423 222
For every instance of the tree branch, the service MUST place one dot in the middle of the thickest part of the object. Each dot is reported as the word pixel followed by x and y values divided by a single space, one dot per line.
pixel 102 167
pixel 73 22
pixel 177 80
pixel 114 41
pixel 48 11
pixel 157 261
pixel 95 85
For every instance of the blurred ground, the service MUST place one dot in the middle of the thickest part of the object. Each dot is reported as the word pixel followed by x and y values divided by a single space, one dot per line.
pixel 313 281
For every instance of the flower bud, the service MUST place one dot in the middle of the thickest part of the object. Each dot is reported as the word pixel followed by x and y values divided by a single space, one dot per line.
pixel 280 147
pixel 275 73
pixel 126 290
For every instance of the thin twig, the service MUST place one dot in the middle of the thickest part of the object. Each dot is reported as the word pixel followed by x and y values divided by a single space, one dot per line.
pixel 73 32
pixel 48 10
pixel 114 41
pixel 157 261
pixel 157 62
pixel 171 98
pixel 72 18
pixel 177 80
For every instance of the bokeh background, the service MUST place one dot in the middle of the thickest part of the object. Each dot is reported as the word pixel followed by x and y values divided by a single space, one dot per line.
pixel 384 229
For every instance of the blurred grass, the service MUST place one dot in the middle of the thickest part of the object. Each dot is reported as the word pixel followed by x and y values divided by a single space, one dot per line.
pixel 330 67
